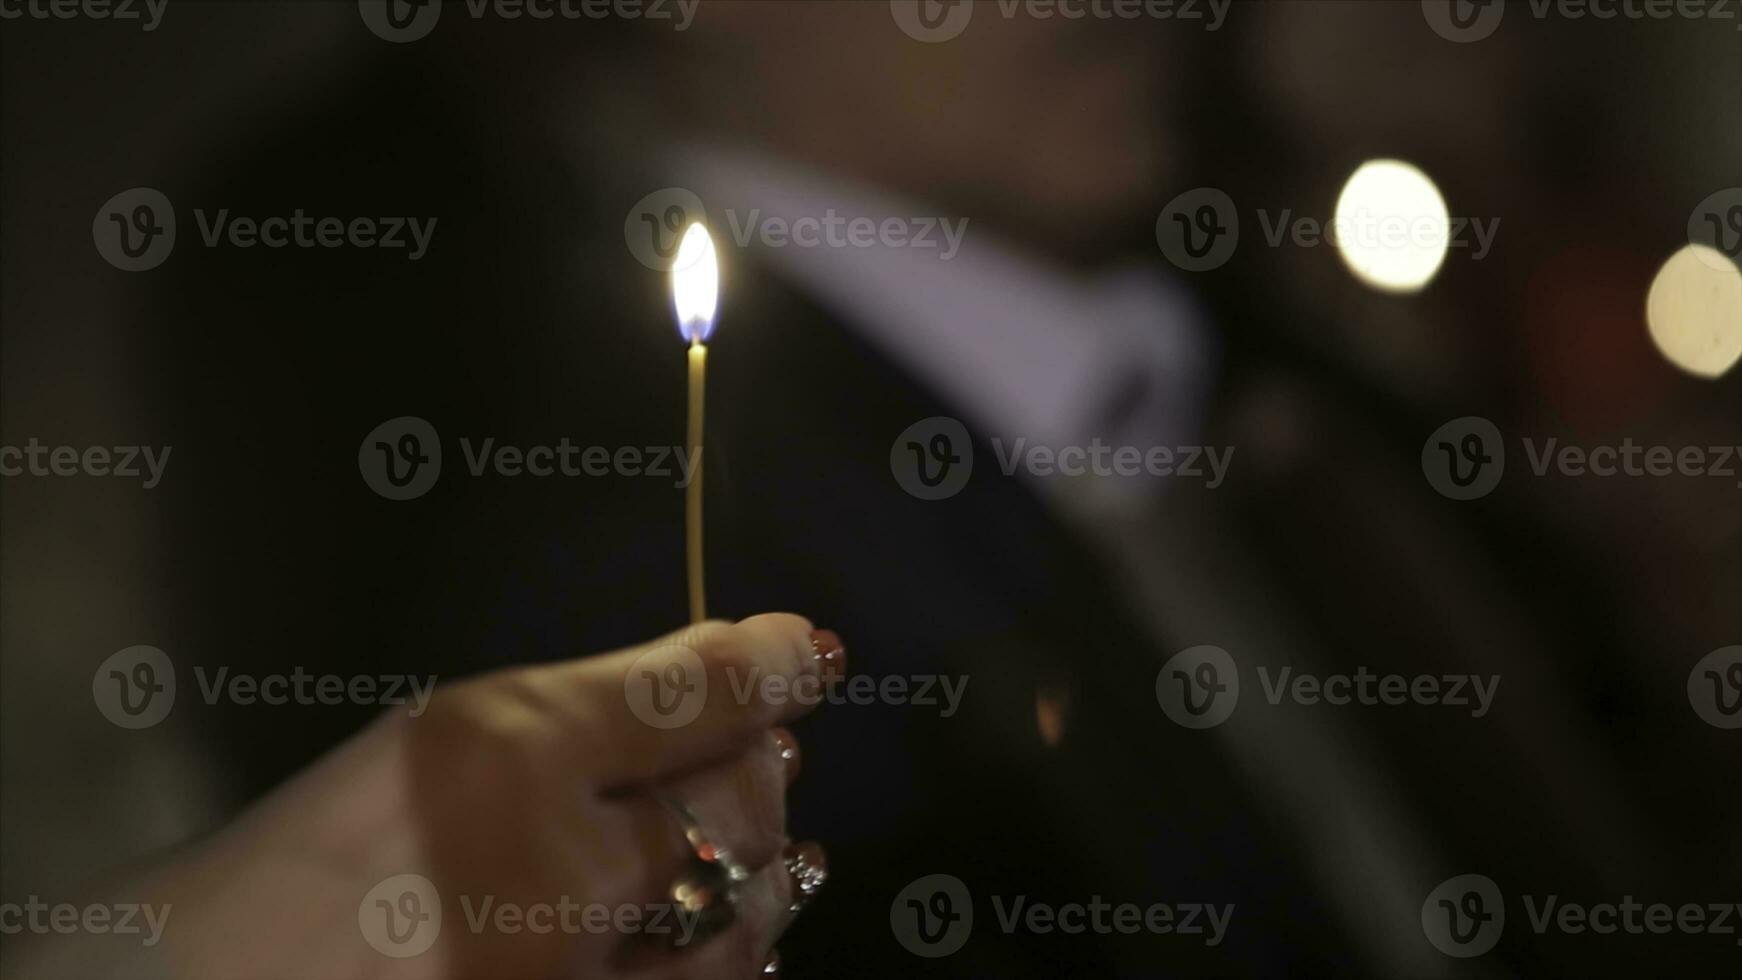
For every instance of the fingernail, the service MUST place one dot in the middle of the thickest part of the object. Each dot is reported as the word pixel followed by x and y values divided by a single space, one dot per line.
pixel 772 967
pixel 829 654
pixel 786 746
pixel 809 867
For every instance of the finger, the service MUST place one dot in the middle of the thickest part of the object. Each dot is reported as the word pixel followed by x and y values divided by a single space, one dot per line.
pixel 765 909
pixel 693 697
pixel 738 810
pixel 807 869
pixel 791 757
pixel 740 805
pixel 693 920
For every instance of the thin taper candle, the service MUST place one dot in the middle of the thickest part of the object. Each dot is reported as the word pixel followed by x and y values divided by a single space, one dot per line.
pixel 693 493
pixel 695 294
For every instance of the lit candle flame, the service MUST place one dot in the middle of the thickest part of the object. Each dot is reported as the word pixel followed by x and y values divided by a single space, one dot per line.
pixel 695 284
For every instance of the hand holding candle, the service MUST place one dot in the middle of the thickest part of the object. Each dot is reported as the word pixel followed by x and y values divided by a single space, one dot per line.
pixel 695 292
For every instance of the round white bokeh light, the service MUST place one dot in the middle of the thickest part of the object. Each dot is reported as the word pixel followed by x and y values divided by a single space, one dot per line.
pixel 1392 226
pixel 1695 311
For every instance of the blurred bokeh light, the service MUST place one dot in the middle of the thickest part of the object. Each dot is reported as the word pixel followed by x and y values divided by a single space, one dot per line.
pixel 1695 311
pixel 1392 225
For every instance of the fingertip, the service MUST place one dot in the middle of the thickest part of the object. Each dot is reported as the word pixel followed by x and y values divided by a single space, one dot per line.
pixel 786 624
pixel 785 635
pixel 829 654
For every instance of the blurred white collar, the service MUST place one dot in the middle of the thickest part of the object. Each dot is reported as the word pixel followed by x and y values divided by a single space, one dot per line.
pixel 1025 349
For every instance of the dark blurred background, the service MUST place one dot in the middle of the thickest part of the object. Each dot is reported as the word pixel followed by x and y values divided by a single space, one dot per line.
pixel 1592 142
